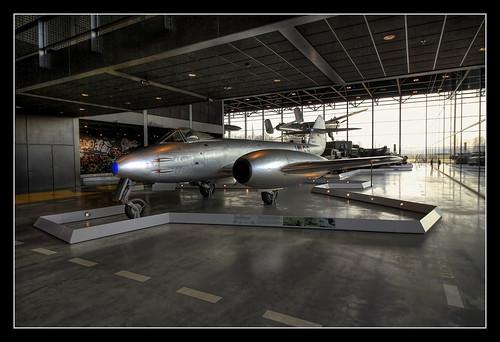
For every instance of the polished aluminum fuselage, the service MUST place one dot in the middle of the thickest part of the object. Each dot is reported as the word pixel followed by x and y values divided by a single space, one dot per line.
pixel 206 160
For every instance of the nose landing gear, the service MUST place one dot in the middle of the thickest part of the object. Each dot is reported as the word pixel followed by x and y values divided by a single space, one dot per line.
pixel 134 207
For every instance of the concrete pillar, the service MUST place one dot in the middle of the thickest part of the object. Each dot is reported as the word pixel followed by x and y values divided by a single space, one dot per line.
pixel 190 116
pixel 145 126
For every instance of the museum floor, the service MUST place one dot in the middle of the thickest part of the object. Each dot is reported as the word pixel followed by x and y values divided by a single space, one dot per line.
pixel 193 275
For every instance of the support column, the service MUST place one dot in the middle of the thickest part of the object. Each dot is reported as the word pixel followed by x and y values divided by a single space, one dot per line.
pixel 479 142
pixel 347 119
pixel 444 129
pixel 455 124
pixel 229 123
pixel 190 116
pixel 324 112
pixel 76 147
pixel 245 113
pixel 400 100
pixel 222 111
pixel 425 159
pixel 373 133
pixel 281 121
pixel 145 127
pixel 262 128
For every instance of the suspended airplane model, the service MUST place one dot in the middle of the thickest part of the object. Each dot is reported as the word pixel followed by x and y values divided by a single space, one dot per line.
pixel 299 127
pixel 182 156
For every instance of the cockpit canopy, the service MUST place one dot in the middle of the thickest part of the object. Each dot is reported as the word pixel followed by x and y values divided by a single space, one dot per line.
pixel 185 135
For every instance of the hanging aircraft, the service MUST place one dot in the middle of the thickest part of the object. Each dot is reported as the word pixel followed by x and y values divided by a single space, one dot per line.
pixel 186 156
pixel 299 127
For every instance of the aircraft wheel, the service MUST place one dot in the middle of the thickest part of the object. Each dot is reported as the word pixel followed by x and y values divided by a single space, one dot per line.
pixel 269 197
pixel 207 191
pixel 134 208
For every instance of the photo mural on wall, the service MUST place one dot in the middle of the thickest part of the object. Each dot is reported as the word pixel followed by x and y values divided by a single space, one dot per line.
pixel 97 153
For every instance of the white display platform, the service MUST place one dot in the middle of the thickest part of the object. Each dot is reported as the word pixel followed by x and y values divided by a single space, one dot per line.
pixel 60 225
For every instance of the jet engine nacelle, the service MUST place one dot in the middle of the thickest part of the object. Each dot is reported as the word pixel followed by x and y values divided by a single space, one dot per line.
pixel 262 169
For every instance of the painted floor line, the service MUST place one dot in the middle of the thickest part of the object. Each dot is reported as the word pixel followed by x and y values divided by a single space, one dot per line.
pixel 288 320
pixel 19 243
pixel 133 276
pixel 83 262
pixel 208 297
pixel 453 296
pixel 44 251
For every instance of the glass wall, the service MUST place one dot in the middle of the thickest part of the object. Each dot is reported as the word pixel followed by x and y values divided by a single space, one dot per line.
pixel 446 128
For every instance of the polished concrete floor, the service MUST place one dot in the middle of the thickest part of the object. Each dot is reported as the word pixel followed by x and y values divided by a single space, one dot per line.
pixel 261 277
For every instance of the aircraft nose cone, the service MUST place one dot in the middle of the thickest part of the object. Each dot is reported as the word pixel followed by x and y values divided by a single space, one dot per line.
pixel 114 168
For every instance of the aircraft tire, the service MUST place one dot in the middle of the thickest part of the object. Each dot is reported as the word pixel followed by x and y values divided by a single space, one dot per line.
pixel 267 197
pixel 134 208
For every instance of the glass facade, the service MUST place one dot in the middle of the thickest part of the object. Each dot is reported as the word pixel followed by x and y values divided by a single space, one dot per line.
pixel 447 128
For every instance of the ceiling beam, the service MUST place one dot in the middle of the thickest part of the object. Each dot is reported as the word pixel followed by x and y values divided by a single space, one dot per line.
pixel 343 48
pixel 313 96
pixel 260 63
pixel 79 102
pixel 205 44
pixel 245 103
pixel 156 84
pixel 284 60
pixel 367 90
pixel 301 44
pixel 460 83
pixel 289 99
pixel 439 44
pixel 374 45
pixel 389 78
pixel 407 47
pixel 472 42
pixel 267 101
pixel 339 93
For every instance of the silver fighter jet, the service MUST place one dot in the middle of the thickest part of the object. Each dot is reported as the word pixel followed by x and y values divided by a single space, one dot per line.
pixel 182 156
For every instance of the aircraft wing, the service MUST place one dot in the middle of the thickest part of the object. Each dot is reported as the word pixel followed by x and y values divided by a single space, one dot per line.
pixel 339 164
pixel 325 130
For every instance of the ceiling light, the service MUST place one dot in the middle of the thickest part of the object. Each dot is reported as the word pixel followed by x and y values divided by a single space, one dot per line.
pixel 439 89
pixel 247 99
pixel 82 109
pixel 61 112
pixel 348 87
pixel 415 91
pixel 482 49
pixel 423 42
pixel 127 102
pixel 191 75
pixel 308 101
pixel 389 37
pixel 293 94
pixel 18 107
pixel 358 97
pixel 228 88
pixel 446 76
pixel 85 126
pixel 268 106
pixel 416 80
pixel 276 80
pixel 158 98
pixel 84 94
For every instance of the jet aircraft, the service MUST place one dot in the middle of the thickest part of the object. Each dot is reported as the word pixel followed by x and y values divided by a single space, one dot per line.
pixel 299 127
pixel 185 156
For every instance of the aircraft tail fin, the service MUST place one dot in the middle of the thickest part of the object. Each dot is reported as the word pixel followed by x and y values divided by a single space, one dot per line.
pixel 269 126
pixel 299 116
pixel 317 138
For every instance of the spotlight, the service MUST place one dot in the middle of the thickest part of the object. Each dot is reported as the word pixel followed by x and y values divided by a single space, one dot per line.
pixel 389 37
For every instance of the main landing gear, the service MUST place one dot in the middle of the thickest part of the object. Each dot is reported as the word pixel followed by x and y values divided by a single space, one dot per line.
pixel 269 197
pixel 206 189
pixel 134 207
